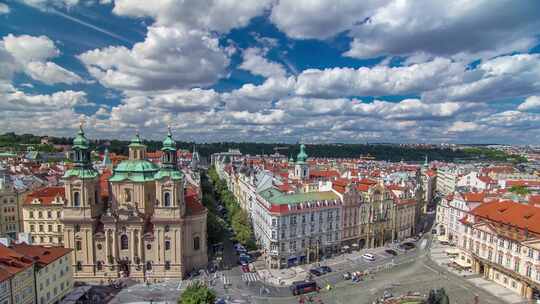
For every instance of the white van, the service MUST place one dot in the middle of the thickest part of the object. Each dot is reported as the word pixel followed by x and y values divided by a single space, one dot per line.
pixel 368 257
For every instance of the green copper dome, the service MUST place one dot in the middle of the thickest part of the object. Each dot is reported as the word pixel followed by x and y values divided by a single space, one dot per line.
pixel 168 143
pixel 134 170
pixel 80 141
pixel 302 156
pixel 136 141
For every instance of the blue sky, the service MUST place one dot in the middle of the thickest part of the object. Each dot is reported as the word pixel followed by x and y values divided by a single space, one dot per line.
pixel 269 70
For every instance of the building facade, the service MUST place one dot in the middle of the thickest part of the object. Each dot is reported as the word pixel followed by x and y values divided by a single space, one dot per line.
pixel 502 239
pixel 146 230
pixel 53 271
pixel 42 214
pixel 20 270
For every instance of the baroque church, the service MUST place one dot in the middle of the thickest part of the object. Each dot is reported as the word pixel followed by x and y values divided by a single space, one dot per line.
pixel 148 229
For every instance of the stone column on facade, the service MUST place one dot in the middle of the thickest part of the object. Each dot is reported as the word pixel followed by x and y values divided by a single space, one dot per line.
pixel 132 242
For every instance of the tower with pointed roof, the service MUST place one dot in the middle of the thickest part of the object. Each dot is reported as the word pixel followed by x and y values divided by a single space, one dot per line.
pixel 301 168
pixel 83 205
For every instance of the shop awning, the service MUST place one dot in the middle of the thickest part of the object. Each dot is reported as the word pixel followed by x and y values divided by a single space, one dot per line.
pixel 462 263
pixel 452 251
pixel 442 238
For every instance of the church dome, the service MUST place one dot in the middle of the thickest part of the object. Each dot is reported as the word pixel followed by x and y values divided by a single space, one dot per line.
pixel 134 170
pixel 302 156
pixel 80 140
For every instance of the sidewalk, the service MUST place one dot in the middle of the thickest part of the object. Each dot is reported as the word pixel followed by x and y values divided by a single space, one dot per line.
pixel 286 276
pixel 439 256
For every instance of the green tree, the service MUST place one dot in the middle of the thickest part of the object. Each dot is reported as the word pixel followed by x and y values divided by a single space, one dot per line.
pixel 521 190
pixel 197 293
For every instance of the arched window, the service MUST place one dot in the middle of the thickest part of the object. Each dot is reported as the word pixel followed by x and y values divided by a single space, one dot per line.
pixel 124 245
pixel 79 266
pixel 149 265
pixel 127 194
pixel 76 199
pixel 196 243
pixel 99 266
pixel 167 199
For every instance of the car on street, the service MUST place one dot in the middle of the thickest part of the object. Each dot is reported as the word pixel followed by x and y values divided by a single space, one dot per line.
pixel 245 268
pixel 368 257
pixel 347 276
pixel 407 245
pixel 244 259
pixel 391 252
pixel 302 287
pixel 326 269
pixel 316 272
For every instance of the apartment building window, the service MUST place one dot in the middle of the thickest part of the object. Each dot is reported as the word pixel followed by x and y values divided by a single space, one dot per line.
pixel 484 236
pixel 530 253
pixel 49 228
pixel 49 214
pixel 303 218
pixel 312 215
pixel 59 228
pixel 490 254
pixel 31 214
pixel 293 220
pixel 507 264
pixel 40 214
pixel 500 258
pixel 40 228
pixel 32 228
pixel 58 214
pixel 528 270
pixel 274 222
pixel 516 265
pixel 282 234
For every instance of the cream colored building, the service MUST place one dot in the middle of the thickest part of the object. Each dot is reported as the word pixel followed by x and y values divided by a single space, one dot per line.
pixel 42 214
pixel 53 271
pixel 148 229
pixel 501 242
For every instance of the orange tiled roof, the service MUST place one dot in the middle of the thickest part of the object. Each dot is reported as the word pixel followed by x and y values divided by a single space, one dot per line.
pixel 474 197
pixel 45 195
pixel 40 254
pixel 519 215
pixel 12 261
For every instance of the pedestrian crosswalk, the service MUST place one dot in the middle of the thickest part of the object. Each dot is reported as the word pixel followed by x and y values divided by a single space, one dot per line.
pixel 225 280
pixel 250 277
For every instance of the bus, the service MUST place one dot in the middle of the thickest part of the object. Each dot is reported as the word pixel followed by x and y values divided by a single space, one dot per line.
pixel 302 287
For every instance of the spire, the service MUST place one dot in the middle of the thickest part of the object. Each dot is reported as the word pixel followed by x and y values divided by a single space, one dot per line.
pixel 168 143
pixel 137 139
pixel 80 142
pixel 302 156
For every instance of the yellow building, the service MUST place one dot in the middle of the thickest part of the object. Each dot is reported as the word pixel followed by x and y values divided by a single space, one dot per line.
pixel 42 214
pixel 53 271
pixel 20 273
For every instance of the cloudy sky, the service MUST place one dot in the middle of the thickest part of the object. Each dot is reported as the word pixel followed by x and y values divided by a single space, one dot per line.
pixel 269 70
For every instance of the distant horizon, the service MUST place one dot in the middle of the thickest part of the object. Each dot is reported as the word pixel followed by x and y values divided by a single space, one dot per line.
pixel 358 71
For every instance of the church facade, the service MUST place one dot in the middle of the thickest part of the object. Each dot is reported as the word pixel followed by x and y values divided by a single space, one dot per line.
pixel 149 228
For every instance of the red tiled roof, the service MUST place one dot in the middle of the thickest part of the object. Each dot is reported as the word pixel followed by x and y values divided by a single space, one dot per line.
pixel 45 195
pixel 4 275
pixel 104 183
pixel 525 183
pixel 534 199
pixel 193 203
pixel 519 215
pixel 362 187
pixel 324 173
pixel 431 173
pixel 474 197
pixel 411 201
pixel 12 261
pixel 367 181
pixel 487 179
pixel 40 254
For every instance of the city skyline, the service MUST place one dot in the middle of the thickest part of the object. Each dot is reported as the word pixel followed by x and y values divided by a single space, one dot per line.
pixel 273 71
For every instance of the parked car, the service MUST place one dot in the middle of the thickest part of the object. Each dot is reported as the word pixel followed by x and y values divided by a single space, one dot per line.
pixel 316 272
pixel 347 276
pixel 245 268
pixel 368 256
pixel 326 269
pixel 244 259
pixel 391 252
pixel 302 287
pixel 407 246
